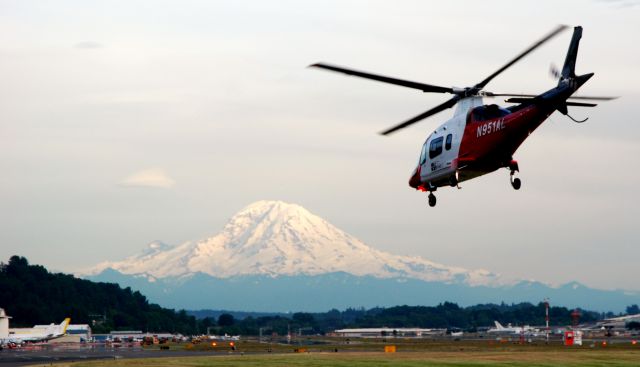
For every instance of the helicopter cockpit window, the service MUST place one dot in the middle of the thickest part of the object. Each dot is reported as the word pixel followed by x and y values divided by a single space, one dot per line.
pixel 447 143
pixel 423 154
pixel 489 112
pixel 435 148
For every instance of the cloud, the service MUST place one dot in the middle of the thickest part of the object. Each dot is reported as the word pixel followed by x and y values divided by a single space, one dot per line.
pixel 155 178
pixel 623 3
pixel 85 45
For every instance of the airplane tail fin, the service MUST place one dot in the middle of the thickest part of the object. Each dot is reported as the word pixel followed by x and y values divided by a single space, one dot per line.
pixel 498 325
pixel 569 68
pixel 62 328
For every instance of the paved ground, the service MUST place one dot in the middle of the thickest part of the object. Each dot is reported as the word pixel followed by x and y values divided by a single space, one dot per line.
pixel 47 354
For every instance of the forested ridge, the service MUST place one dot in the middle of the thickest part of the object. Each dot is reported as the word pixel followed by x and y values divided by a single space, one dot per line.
pixel 33 295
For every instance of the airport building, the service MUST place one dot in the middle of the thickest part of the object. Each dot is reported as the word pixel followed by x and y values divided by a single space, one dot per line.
pixel 131 335
pixel 389 332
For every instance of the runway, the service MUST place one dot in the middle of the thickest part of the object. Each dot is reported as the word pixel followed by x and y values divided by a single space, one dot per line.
pixel 70 353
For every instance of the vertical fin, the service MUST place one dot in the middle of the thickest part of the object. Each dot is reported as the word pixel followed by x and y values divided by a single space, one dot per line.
pixel 64 325
pixel 568 70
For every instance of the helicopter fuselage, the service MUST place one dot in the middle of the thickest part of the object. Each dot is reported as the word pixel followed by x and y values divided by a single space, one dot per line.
pixel 480 139
pixel 473 143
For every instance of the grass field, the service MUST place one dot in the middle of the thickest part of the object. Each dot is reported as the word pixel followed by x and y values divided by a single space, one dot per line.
pixel 434 353
pixel 409 359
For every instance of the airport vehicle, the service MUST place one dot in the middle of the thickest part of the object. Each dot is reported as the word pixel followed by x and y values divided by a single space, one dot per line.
pixel 225 337
pixel 480 139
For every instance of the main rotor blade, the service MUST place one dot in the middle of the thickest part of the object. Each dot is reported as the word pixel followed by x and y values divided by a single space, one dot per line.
pixel 568 103
pixel 591 98
pixel 441 107
pixel 557 30
pixel 385 79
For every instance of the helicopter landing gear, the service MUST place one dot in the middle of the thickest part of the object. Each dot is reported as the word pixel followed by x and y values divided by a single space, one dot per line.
pixel 432 200
pixel 515 182
pixel 454 181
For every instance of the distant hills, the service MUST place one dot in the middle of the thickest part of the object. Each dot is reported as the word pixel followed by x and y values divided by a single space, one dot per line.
pixel 277 257
pixel 33 295
pixel 315 293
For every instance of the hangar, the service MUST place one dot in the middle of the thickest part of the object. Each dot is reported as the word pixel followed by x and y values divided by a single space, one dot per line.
pixel 389 332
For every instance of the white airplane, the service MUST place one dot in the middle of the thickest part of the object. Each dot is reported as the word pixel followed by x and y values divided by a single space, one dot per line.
pixel 612 324
pixel 12 337
pixel 39 334
pixel 513 330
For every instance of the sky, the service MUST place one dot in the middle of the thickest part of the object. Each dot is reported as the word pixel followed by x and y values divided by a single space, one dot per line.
pixel 125 122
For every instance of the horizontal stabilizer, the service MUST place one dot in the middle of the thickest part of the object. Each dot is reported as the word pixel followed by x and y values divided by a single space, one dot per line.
pixel 519 100
pixel 580 104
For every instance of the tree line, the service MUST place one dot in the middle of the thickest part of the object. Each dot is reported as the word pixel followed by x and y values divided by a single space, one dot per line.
pixel 32 295
pixel 445 315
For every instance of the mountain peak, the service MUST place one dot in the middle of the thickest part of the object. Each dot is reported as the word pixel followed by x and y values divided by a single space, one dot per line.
pixel 275 238
pixel 270 212
pixel 156 246
pixel 263 205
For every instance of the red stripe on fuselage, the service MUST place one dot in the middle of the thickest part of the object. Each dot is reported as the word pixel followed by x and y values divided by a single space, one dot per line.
pixel 488 145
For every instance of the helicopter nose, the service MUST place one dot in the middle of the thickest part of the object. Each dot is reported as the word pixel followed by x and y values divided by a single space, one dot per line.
pixel 414 181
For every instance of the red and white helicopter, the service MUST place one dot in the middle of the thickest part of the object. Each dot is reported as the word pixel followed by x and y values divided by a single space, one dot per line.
pixel 479 138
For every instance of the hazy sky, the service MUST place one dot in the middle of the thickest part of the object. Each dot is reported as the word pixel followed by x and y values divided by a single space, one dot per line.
pixel 123 122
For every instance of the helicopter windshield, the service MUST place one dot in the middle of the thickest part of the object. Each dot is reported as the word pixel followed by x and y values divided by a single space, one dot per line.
pixel 489 112
pixel 423 155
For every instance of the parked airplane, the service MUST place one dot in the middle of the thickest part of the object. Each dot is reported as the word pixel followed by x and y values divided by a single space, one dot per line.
pixel 613 325
pixel 39 334
pixel 513 330
pixel 13 337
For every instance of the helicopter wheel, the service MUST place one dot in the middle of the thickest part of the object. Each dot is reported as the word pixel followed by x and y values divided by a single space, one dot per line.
pixel 432 200
pixel 453 181
pixel 516 184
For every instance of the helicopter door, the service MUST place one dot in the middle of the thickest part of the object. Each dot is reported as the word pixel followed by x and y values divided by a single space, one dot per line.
pixel 449 153
pixel 435 154
pixel 441 155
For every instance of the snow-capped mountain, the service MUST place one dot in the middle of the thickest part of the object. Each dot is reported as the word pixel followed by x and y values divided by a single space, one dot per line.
pixel 275 238
pixel 274 256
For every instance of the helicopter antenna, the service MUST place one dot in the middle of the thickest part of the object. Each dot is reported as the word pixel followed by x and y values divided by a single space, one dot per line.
pixel 577 121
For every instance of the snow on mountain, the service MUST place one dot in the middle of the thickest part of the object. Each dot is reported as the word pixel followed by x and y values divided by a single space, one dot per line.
pixel 276 238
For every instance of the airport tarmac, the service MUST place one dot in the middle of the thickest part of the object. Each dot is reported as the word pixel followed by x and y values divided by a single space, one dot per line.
pixel 52 354
pixel 56 353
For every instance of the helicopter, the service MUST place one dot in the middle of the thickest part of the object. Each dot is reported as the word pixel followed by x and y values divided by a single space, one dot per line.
pixel 480 139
